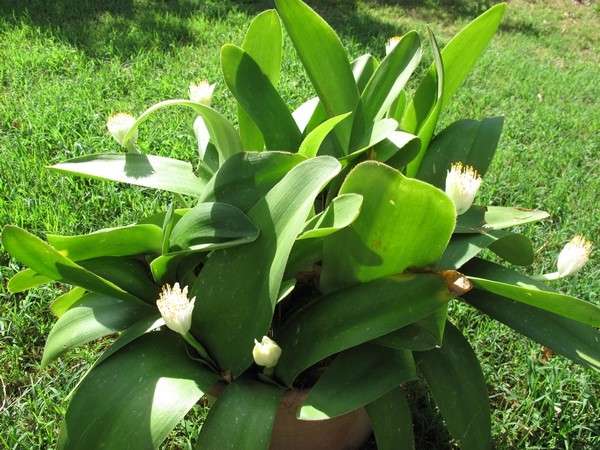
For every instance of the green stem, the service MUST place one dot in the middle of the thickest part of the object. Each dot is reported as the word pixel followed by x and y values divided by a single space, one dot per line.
pixel 199 348
pixel 547 276
pixel 181 200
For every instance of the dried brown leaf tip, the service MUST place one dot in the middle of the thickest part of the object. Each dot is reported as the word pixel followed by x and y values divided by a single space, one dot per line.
pixel 456 282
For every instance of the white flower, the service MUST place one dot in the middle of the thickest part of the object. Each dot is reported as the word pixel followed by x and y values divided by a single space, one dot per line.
pixel 266 353
pixel 462 184
pixel 119 125
pixel 574 256
pixel 202 92
pixel 175 308
pixel 391 44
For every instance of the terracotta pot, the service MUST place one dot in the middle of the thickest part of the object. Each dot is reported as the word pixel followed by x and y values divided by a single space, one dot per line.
pixel 347 432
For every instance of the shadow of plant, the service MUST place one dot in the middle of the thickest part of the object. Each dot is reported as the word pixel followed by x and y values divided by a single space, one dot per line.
pixel 124 28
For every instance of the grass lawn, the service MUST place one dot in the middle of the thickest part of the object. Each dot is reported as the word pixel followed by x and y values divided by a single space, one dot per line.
pixel 66 66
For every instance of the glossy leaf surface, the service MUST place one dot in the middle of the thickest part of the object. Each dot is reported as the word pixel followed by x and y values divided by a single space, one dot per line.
pixel 138 169
pixel 456 381
pixel 139 395
pixel 403 223
pixel 356 377
pixel 242 417
pixel 352 316
pixel 392 421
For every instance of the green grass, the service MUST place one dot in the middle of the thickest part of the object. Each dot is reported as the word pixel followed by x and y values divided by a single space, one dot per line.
pixel 66 66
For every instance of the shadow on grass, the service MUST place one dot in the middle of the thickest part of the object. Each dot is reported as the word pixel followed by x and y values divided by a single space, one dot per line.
pixel 125 28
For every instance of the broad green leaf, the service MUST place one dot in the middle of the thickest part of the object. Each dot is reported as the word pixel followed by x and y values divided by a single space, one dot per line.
pixel 471 142
pixel 363 69
pixel 508 283
pixel 258 97
pixel 385 85
pixel 242 417
pixel 458 386
pixel 167 228
pixel 45 260
pixel 391 421
pixel 423 334
pixel 356 377
pixel 572 339
pixel 310 145
pixel 212 223
pixel 222 133
pixel 340 213
pixel 136 397
pixel 403 223
pixel 457 58
pixel 309 112
pixel 499 217
pixel 151 171
pixel 130 274
pixel 247 177
pixel 327 63
pixel 92 317
pixel 425 127
pixel 63 302
pixel 515 248
pixel 397 150
pixel 165 268
pixel 244 281
pixel 377 132
pixel 352 316
pixel 26 279
pixel 123 241
pixel 263 42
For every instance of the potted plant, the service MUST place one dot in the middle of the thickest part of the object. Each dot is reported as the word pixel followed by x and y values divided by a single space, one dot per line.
pixel 319 248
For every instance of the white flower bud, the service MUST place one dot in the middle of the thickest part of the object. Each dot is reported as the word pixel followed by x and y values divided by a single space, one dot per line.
pixel 391 44
pixel 266 353
pixel 119 125
pixel 462 184
pixel 574 256
pixel 175 308
pixel 202 92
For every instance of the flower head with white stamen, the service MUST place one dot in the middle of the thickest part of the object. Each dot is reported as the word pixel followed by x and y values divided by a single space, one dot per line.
pixel 462 184
pixel 175 308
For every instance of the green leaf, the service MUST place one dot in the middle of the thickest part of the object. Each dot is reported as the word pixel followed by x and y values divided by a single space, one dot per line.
pixel 327 63
pixel 244 281
pixel 212 223
pixel 136 397
pixel 247 177
pixel 123 241
pixel 222 133
pixel 263 42
pixel 26 279
pixel 471 142
pixel 45 260
pixel 458 386
pixel 328 325
pixel 376 133
pixel 63 302
pixel 572 339
pixel 403 223
pixel 508 283
pixel 425 127
pixel 397 150
pixel 254 91
pixel 130 274
pixel 151 171
pixel 499 217
pixel 242 417
pixel 385 85
pixel 165 268
pixel 391 421
pixel 515 248
pixel 92 317
pixel 423 334
pixel 457 58
pixel 311 144
pixel 340 213
pixel 356 377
